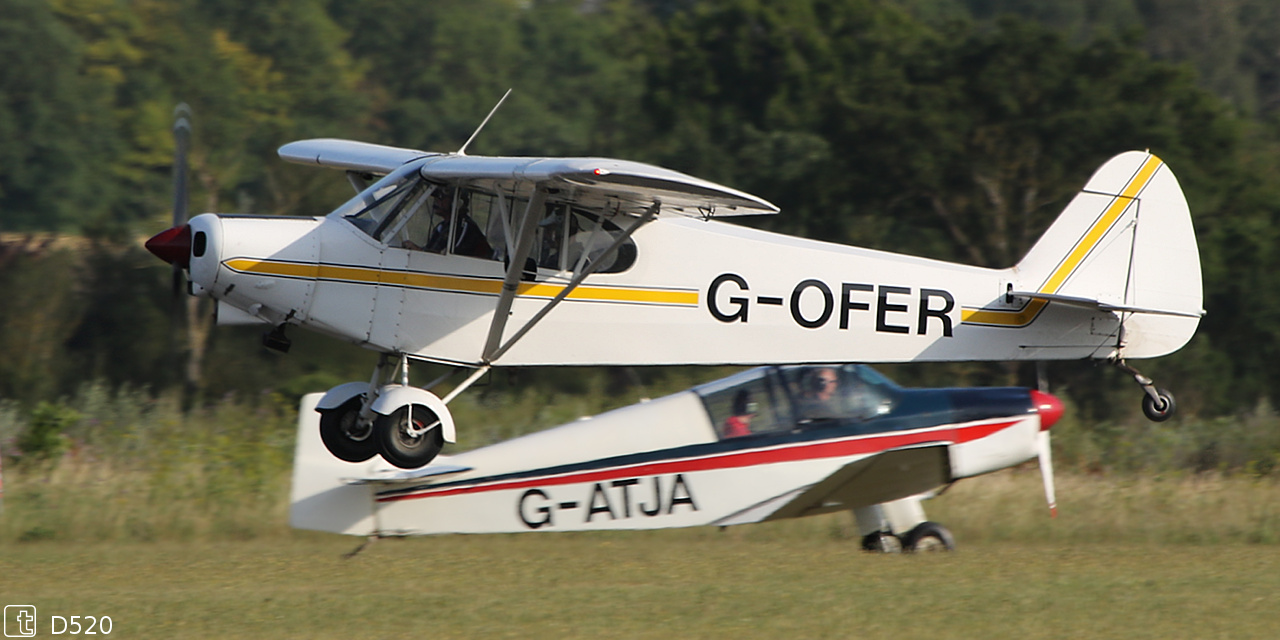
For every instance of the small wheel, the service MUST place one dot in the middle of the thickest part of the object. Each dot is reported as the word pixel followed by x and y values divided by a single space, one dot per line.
pixel 400 445
pixel 1161 410
pixel 881 542
pixel 344 435
pixel 927 537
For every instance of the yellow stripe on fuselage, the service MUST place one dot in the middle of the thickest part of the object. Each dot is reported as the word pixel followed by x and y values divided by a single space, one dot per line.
pixel 458 284
pixel 1024 316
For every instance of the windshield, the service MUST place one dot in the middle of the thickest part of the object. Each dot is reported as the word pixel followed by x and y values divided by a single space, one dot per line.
pixel 370 209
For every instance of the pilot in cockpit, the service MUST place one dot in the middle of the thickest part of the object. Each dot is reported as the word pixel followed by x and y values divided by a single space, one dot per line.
pixel 468 239
pixel 819 398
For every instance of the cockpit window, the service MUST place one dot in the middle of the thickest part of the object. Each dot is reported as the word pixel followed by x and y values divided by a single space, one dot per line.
pixel 375 208
pixel 747 404
pixel 839 392
pixel 406 211
pixel 571 239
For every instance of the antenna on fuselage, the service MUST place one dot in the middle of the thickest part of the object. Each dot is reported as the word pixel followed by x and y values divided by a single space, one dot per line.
pixel 463 150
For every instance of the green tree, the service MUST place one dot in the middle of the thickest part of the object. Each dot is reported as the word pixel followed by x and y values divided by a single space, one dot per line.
pixel 49 120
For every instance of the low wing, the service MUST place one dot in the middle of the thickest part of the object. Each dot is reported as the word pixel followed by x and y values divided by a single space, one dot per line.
pixel 593 183
pixel 892 475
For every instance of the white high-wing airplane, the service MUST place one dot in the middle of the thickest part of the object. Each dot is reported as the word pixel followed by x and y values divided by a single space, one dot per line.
pixel 480 262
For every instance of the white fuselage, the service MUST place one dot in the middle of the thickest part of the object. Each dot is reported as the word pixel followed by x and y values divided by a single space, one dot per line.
pixel 699 292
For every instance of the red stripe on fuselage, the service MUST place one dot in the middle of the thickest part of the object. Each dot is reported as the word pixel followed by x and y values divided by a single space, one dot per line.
pixel 793 453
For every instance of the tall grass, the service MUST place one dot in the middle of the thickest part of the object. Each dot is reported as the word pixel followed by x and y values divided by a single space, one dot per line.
pixel 138 467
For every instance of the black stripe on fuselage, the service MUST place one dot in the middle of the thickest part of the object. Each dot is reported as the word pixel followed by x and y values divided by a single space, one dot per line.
pixel 916 409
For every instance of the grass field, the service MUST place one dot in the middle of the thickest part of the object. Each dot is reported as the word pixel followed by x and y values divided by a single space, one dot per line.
pixel 1150 557
pixel 679 584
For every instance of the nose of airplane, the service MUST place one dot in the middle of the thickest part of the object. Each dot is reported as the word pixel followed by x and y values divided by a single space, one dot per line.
pixel 1049 408
pixel 172 245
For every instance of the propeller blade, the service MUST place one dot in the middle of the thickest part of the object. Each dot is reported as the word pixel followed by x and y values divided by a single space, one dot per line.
pixel 1050 410
pixel 182 140
pixel 1046 471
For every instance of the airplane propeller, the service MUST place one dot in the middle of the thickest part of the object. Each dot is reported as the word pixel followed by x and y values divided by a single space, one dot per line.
pixel 1050 410
pixel 182 139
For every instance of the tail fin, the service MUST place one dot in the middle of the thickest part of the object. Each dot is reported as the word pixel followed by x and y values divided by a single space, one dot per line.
pixel 321 498
pixel 331 495
pixel 1125 243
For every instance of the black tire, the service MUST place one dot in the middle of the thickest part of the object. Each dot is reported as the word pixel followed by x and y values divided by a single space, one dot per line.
pixel 344 436
pixel 402 449
pixel 928 537
pixel 1159 411
pixel 881 542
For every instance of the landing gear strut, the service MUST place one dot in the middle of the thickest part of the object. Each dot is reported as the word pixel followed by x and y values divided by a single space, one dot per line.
pixel 900 527
pixel 1157 404
pixel 407 425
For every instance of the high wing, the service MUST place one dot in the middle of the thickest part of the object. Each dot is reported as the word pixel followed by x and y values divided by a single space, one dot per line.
pixel 593 183
pixel 349 155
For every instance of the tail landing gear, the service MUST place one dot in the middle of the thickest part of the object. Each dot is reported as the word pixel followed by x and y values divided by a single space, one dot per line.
pixel 1157 404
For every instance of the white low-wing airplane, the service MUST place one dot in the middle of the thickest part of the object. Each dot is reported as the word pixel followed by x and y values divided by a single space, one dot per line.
pixel 765 444
pixel 513 261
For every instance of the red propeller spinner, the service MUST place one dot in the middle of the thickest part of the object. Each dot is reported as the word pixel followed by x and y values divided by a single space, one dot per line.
pixel 1048 406
pixel 172 245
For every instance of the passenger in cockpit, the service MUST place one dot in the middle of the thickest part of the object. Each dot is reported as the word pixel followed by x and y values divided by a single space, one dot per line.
pixel 738 424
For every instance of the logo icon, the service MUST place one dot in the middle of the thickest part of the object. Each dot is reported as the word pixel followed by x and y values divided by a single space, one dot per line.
pixel 19 621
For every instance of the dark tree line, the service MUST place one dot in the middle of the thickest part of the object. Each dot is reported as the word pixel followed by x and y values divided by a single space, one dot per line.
pixel 954 129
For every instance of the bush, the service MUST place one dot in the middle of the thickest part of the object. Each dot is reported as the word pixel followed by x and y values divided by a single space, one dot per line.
pixel 45 436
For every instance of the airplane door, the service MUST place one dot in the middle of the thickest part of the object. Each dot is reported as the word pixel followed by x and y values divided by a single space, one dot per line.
pixel 343 302
pixel 388 303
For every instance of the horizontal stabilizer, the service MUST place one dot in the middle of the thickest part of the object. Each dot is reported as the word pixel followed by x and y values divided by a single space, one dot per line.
pixel 400 476
pixel 1091 303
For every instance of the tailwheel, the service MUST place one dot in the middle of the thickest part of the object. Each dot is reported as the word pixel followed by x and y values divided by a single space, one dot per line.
pixel 881 542
pixel 1157 404
pixel 409 439
pixel 928 537
pixel 345 435
pixel 1160 407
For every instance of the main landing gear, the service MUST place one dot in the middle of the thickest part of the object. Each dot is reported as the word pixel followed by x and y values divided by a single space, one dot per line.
pixel 1157 404
pixel 900 527
pixel 405 424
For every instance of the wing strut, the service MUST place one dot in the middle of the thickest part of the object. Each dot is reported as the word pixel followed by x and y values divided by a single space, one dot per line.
pixel 496 329
pixel 515 267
